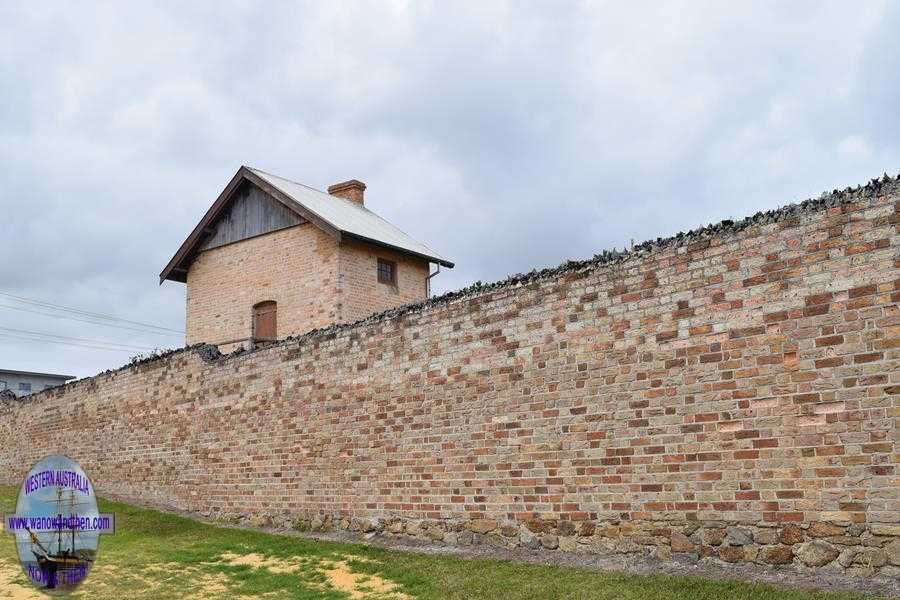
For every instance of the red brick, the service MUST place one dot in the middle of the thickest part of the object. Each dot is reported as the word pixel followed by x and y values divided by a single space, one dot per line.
pixel 544 400
pixel 831 340
pixel 869 357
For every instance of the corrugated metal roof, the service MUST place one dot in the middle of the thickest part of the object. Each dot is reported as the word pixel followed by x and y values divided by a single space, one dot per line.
pixel 350 217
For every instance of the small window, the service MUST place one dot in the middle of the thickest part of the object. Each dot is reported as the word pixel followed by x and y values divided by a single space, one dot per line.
pixel 25 387
pixel 265 321
pixel 387 271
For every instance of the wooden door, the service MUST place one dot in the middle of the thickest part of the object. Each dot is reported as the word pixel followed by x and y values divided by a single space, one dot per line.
pixel 265 321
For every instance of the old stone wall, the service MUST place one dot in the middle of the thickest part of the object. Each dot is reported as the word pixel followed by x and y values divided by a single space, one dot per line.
pixel 731 394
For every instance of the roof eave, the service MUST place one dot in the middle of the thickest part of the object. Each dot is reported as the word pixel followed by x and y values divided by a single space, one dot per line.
pixel 193 238
pixel 176 270
pixel 435 259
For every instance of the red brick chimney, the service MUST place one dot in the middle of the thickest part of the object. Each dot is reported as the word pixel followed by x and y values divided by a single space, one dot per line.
pixel 352 190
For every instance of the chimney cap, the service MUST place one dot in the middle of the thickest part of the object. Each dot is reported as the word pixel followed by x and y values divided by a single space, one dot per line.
pixel 351 184
pixel 352 190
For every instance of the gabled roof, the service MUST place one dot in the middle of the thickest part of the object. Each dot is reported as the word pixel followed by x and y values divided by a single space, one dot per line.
pixel 338 217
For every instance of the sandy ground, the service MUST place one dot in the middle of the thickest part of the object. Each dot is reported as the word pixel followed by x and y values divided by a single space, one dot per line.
pixel 10 589
pixel 338 572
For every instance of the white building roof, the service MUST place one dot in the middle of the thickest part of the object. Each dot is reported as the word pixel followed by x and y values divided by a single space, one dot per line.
pixel 351 218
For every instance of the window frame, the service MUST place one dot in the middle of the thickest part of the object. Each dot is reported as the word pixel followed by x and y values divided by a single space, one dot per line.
pixel 392 265
pixel 25 386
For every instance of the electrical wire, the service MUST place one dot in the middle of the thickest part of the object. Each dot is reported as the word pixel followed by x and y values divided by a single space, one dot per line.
pixel 53 336
pixel 74 318
pixel 7 336
pixel 50 305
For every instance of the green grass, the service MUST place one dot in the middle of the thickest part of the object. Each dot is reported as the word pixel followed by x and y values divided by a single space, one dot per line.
pixel 155 555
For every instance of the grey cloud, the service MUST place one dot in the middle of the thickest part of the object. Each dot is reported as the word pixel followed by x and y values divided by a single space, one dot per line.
pixel 507 135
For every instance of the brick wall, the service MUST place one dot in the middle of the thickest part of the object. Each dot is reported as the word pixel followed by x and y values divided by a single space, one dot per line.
pixel 363 295
pixel 731 395
pixel 314 281
pixel 296 267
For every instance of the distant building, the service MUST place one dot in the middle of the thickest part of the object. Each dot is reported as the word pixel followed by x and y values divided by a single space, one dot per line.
pixel 273 258
pixel 22 383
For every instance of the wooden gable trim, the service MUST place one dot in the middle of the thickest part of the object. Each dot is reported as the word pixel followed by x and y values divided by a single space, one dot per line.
pixel 293 204
pixel 176 269
pixel 249 213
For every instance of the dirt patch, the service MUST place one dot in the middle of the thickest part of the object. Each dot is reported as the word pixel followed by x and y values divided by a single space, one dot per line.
pixel 360 585
pixel 340 575
pixel 9 589
pixel 210 587
pixel 158 578
pixel 108 575
pixel 258 561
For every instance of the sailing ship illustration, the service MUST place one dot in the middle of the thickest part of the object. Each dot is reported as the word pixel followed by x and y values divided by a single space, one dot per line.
pixel 69 563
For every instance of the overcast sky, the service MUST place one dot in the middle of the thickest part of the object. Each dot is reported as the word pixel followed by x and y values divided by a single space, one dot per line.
pixel 506 135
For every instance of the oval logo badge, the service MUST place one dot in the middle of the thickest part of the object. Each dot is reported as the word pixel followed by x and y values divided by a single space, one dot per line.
pixel 57 525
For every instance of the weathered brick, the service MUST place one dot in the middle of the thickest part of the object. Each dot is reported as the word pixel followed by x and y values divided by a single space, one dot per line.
pixel 314 280
pixel 515 411
pixel 830 340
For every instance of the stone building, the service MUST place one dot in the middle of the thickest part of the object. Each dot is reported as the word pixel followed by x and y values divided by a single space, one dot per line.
pixel 273 258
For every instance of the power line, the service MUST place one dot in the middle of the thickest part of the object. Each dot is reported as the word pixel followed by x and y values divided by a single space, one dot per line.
pixel 86 313
pixel 70 338
pixel 62 343
pixel 74 318
pixel 53 337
